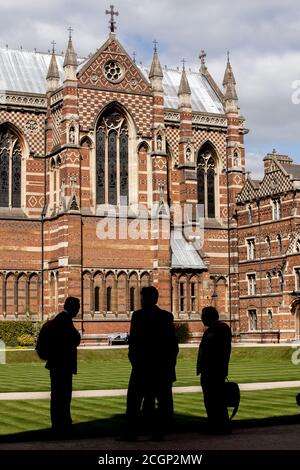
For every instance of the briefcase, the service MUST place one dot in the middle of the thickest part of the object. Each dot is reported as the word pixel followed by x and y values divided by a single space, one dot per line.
pixel 232 396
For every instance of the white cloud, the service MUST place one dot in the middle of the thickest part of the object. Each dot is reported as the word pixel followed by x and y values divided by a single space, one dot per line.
pixel 254 165
pixel 263 38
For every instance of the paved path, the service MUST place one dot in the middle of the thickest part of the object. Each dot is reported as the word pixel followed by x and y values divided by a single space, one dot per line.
pixel 281 437
pixel 122 392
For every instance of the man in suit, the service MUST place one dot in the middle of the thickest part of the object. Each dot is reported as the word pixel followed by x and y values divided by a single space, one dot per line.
pixel 153 349
pixel 62 364
pixel 212 364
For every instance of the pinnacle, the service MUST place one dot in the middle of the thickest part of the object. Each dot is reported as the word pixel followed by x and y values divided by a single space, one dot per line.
pixel 53 68
pixel 155 70
pixel 184 87
pixel 70 57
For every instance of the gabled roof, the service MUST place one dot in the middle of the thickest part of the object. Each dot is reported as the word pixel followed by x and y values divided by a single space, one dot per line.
pixel 277 179
pixel 203 98
pixel 249 190
pixel 293 170
pixel 23 71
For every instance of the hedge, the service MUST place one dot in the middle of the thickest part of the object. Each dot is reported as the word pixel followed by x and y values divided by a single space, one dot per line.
pixel 11 330
pixel 182 332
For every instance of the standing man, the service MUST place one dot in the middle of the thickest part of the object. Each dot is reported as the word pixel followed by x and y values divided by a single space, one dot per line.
pixel 153 349
pixel 62 363
pixel 212 364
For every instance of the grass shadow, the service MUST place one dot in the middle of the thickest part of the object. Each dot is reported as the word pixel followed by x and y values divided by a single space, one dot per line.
pixel 114 426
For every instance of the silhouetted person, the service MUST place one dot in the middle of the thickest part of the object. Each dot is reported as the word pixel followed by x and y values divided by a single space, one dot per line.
pixel 153 348
pixel 212 364
pixel 62 364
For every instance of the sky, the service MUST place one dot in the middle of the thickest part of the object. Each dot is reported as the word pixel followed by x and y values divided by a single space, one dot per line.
pixel 263 38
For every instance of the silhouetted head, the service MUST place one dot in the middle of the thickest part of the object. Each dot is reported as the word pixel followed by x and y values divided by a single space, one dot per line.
pixel 209 315
pixel 72 305
pixel 149 296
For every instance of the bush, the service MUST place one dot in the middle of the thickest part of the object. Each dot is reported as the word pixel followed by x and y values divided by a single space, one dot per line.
pixel 182 332
pixel 11 330
pixel 26 340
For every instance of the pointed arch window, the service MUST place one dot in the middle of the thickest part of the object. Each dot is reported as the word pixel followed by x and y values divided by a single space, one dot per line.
pixel 206 182
pixel 111 158
pixel 10 169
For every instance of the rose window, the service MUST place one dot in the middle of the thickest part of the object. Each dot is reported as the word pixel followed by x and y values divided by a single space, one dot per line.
pixel 113 71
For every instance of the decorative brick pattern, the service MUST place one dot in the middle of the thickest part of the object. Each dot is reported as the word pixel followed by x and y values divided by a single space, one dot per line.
pixel 56 122
pixel 94 72
pixel 92 102
pixel 31 125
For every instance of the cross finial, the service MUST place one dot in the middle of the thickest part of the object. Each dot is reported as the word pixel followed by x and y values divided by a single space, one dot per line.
pixel 202 56
pixel 155 45
pixel 53 46
pixel 134 56
pixel 70 29
pixel 112 22
pixel 183 64
pixel 228 56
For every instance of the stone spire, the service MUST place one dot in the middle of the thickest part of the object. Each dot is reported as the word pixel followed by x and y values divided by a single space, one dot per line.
pixel 156 74
pixel 229 83
pixel 70 62
pixel 155 70
pixel 52 74
pixel 184 87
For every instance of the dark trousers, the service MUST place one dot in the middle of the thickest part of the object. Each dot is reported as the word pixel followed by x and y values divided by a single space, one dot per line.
pixel 214 400
pixel 61 395
pixel 150 389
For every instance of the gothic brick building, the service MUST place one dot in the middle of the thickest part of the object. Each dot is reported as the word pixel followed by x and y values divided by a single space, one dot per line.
pixel 269 251
pixel 91 149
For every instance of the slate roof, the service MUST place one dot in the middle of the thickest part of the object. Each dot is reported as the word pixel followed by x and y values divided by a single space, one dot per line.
pixel 184 254
pixel 23 71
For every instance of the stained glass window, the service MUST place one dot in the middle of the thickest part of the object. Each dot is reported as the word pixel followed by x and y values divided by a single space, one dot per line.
pixel 10 169
pixel 4 170
pixel 124 162
pixel 16 176
pixel 206 183
pixel 100 166
pixel 211 192
pixel 200 179
pixel 111 158
pixel 112 167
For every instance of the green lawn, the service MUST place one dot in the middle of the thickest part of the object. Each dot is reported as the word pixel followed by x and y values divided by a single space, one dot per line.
pixel 104 416
pixel 110 369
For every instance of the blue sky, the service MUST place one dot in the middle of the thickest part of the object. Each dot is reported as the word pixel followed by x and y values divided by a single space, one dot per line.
pixel 262 36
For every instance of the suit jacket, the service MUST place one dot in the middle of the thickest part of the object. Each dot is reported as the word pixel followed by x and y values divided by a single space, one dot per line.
pixel 64 339
pixel 214 351
pixel 153 345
